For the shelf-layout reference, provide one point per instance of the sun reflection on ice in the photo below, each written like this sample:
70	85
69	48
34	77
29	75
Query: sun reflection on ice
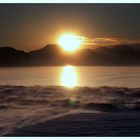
69	77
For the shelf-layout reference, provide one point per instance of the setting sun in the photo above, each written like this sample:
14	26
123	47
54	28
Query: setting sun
69	42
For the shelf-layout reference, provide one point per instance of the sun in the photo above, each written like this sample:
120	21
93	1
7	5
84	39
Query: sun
69	42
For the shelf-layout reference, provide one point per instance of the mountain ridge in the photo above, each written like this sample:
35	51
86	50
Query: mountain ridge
53	55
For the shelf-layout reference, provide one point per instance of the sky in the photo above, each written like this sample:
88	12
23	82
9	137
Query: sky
32	26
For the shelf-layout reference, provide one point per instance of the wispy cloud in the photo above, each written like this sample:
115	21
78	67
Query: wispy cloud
104	41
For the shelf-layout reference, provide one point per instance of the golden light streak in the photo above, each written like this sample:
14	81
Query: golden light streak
69	77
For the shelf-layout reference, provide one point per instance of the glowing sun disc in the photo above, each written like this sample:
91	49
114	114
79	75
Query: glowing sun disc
69	42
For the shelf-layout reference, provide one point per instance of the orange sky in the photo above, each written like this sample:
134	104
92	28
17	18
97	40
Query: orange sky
32	26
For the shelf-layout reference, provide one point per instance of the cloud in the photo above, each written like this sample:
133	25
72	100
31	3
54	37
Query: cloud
104	41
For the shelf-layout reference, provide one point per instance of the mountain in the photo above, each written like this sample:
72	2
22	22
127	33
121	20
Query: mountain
118	55
49	55
53	55
12	57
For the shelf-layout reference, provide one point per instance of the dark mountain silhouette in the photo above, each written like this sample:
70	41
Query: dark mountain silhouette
49	55
118	55
12	57
53	55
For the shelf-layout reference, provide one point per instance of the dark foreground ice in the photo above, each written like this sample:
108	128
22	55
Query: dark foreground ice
58	111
